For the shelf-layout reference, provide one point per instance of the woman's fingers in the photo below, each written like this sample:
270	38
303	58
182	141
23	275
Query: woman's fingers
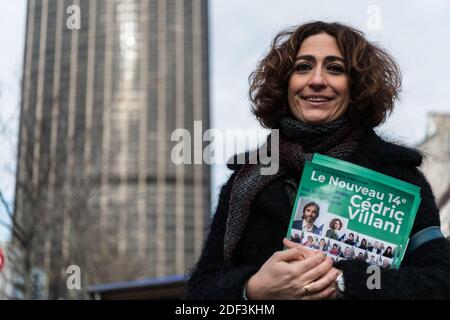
324	294
324	282
312	274
303	250
290	244
301	267
287	255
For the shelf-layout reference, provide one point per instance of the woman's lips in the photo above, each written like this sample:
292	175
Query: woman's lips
317	101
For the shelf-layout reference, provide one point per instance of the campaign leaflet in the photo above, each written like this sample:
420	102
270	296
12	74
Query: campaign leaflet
353	213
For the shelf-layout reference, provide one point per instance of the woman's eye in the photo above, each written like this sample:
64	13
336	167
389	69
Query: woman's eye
302	67
337	69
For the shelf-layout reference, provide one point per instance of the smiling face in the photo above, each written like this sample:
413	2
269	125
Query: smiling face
337	225
318	90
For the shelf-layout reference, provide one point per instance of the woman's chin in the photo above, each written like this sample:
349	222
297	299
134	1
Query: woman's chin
313	116
316	119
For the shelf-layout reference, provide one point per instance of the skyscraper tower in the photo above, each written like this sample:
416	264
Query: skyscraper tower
105	83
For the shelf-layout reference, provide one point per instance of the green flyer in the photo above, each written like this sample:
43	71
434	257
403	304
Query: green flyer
353	213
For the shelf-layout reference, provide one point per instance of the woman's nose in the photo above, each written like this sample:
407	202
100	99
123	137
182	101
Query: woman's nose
317	80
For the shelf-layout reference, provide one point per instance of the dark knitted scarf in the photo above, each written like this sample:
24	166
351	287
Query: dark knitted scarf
298	142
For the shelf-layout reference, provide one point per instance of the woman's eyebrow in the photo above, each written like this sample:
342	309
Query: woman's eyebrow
306	57
333	58
313	59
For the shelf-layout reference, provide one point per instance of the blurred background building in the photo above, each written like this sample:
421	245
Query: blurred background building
436	165
12	279
96	186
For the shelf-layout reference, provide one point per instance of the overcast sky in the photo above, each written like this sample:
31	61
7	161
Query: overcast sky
12	30
415	32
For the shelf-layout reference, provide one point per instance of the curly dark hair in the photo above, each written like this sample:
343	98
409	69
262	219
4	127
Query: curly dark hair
332	222
312	204
374	76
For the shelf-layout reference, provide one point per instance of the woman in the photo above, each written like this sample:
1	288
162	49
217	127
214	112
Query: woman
388	252
363	244
360	257
325	87
309	243
334	250
335	225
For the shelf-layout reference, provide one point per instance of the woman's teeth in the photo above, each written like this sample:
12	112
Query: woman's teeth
318	99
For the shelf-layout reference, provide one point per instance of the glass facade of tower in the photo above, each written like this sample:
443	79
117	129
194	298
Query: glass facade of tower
99	106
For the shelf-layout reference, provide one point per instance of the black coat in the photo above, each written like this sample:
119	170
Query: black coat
424	274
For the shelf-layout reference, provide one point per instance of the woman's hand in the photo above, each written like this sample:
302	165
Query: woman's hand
294	274
305	252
